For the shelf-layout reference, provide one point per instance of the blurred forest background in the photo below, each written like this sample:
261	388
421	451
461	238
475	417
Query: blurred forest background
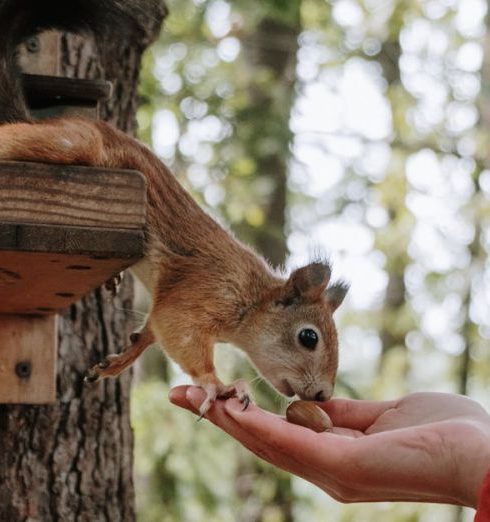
357	128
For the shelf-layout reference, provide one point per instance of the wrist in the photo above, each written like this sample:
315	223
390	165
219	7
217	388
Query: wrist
476	463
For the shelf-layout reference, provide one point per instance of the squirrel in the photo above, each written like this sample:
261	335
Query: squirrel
206	286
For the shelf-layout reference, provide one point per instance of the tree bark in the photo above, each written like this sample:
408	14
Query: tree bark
72	461
272	46
391	334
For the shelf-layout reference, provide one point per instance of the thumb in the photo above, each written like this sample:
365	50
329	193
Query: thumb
355	414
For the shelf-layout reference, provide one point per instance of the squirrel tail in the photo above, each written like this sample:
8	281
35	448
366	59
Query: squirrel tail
20	19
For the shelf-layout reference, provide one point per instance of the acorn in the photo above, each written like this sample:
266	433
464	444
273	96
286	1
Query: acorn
309	415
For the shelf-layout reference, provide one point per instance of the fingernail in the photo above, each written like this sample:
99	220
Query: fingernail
171	395
194	396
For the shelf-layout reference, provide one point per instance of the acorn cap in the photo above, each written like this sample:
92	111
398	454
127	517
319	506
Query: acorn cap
309	415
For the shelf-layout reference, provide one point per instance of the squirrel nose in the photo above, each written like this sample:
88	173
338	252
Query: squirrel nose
320	396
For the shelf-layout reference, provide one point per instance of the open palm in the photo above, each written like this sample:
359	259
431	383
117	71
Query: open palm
430	447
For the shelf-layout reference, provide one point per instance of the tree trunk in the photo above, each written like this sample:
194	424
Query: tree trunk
73	460
273	47
392	333
476	268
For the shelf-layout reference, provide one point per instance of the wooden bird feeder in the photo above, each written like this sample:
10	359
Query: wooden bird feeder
64	230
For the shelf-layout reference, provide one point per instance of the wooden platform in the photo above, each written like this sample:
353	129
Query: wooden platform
65	230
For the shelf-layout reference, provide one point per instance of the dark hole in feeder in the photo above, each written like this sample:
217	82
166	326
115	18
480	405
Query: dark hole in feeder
32	44
55	260
78	267
44	309
64	294
23	369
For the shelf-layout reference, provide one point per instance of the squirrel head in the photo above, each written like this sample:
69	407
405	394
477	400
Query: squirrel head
291	336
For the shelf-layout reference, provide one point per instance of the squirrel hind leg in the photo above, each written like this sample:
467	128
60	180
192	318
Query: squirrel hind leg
115	364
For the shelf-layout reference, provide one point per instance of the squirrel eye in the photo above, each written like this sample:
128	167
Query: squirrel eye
308	338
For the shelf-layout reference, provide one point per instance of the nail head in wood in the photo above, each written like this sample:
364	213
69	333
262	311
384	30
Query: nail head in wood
23	369
28	347
33	44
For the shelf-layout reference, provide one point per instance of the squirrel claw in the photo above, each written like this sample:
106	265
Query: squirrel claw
245	400
91	377
238	389
112	285
94	374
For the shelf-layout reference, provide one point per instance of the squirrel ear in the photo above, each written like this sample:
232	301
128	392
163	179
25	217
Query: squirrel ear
336	294
307	283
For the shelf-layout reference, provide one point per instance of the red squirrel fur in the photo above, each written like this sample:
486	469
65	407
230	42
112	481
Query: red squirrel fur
206	286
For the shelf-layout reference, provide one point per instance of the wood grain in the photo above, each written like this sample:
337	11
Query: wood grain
51	96
43	58
70	90
28	347
65	230
44	283
71	195
97	242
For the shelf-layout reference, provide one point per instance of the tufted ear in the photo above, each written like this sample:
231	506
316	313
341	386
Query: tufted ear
306	283
336	294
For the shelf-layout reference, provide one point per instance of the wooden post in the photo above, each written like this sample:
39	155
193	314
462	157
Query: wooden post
28	344
28	347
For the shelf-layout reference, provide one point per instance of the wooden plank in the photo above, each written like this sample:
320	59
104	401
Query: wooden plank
40	54
97	242
51	96
65	230
71	195
55	88
90	111
43	283
28	348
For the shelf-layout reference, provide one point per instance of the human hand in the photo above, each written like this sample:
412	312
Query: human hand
425	447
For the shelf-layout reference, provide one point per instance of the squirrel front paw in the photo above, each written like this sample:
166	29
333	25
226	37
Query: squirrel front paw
238	389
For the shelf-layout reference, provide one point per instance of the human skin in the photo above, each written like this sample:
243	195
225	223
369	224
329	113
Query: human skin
425	447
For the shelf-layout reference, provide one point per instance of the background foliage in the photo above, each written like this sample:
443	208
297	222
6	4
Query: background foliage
355	127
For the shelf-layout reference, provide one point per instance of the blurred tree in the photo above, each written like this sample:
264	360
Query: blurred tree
393	239
385	188
250	161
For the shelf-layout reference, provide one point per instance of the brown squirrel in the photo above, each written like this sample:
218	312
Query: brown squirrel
206	286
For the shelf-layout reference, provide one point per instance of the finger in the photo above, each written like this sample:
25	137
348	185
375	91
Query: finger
266	437
327	450
255	427
178	397
191	397
355	414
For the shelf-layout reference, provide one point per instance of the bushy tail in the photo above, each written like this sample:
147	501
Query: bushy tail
19	19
